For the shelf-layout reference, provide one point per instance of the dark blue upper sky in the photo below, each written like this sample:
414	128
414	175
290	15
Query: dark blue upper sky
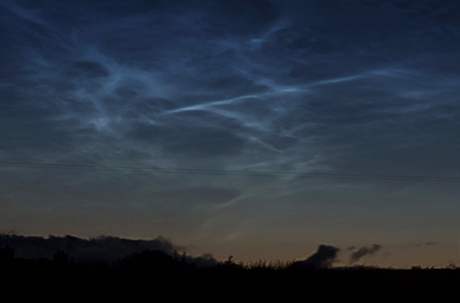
91	92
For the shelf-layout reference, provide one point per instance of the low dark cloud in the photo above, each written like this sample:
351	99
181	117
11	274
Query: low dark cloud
362	252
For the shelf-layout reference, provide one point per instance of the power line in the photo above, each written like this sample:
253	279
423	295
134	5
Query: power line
231	172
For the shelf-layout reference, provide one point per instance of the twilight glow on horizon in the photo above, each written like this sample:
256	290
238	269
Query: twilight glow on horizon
253	128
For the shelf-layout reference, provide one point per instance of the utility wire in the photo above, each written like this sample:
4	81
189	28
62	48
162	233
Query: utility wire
230	172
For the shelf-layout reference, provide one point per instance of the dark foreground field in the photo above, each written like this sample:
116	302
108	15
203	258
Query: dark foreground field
74	265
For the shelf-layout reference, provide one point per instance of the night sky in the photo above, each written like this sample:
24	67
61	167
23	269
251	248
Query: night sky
258	129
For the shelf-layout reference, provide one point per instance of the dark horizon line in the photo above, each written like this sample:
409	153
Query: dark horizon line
111	248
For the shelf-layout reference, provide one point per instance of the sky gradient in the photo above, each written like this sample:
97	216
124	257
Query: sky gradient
258	129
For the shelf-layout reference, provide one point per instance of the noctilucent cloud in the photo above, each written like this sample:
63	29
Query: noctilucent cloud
259	129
